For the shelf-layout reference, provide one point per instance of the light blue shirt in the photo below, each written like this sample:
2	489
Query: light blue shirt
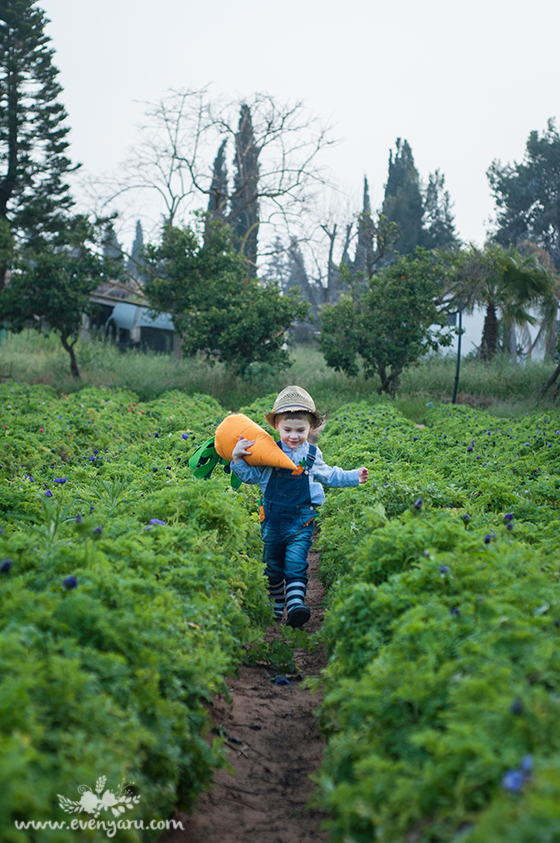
320	475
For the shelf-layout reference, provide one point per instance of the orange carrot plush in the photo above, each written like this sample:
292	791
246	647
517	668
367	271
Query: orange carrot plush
265	451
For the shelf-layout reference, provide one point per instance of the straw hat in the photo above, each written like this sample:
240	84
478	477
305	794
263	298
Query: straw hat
294	399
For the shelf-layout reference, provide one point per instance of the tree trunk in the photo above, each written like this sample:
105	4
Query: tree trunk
489	342
389	383
550	342
547	384
177	346
69	347
512	343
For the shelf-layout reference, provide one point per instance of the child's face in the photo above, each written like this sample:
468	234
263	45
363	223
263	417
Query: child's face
293	432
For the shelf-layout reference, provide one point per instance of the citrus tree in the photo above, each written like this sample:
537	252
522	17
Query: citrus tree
217	306
388	322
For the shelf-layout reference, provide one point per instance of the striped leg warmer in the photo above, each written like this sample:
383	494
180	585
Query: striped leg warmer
295	594
276	592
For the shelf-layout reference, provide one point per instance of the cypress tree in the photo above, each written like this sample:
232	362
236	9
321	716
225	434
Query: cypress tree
34	194
403	200
244	215
438	221
364	255
135	263
218	198
112	249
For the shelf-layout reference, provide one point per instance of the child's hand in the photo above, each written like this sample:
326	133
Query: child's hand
363	475
240	449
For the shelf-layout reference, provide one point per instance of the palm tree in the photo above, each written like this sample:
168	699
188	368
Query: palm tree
508	283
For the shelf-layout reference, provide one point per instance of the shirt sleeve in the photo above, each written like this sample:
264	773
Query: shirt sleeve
247	473
333	476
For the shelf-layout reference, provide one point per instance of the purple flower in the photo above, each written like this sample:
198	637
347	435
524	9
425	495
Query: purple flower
95	451
91	459
154	469
509	526
513	781
5	566
508	517
455	611
444	570
156	435
91	509
78	519
526	764
516	707
419	504
281	680
466	517
469	448
98	531
60	480
28	477
70	582
414	439
157	521
185	435
488	539
48	494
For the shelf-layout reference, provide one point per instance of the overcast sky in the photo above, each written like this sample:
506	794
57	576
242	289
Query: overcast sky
464	83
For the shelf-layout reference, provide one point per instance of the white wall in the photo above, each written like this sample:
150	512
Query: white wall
473	323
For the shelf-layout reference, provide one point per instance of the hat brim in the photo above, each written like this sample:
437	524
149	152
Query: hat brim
295	408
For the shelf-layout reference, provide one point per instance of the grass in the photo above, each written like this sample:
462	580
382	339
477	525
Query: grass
502	387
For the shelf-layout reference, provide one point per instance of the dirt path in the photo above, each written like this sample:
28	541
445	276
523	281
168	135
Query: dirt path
274	745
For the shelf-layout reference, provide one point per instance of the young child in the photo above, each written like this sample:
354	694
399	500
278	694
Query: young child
290	501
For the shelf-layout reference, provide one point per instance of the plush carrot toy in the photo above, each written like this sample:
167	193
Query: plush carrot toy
265	451
218	451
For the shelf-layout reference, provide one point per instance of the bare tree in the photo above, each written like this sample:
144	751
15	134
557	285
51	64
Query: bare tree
171	164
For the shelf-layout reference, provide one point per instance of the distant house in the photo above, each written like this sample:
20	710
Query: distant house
129	324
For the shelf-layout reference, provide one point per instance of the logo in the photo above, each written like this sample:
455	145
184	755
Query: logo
101	800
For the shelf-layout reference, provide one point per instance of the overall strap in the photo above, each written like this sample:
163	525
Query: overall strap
311	456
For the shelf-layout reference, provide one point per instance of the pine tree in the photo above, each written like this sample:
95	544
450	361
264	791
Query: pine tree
527	194
34	194
364	260
244	216
403	200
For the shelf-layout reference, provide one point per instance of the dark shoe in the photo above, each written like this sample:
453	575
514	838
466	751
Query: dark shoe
298	617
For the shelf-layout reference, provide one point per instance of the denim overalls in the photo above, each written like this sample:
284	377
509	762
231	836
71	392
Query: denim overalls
287	532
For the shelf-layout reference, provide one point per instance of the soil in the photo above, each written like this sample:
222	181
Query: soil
274	746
